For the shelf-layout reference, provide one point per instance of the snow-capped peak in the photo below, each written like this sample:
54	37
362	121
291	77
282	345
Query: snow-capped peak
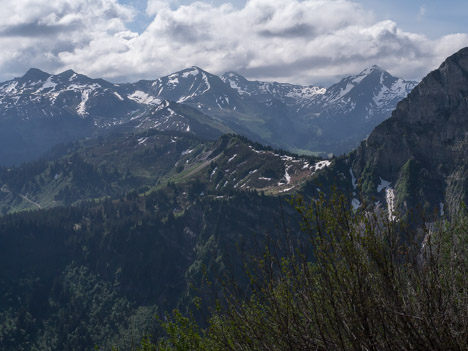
372	92
344	87
183	85
366	72
38	94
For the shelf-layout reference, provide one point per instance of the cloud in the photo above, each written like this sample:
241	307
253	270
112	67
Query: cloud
155	6
35	33
308	41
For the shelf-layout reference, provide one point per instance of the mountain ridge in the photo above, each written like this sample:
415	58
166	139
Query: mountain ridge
40	109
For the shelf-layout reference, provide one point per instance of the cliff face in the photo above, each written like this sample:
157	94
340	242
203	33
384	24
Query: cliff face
422	150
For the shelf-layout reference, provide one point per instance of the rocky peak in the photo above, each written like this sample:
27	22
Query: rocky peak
67	74
422	149
441	90
34	75
374	80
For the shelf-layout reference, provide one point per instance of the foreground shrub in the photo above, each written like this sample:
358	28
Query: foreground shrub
361	282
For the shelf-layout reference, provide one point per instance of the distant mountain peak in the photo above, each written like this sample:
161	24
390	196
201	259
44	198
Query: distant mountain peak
187	72
71	75
34	70
369	71
68	72
376	68
196	68
192	71
34	74
375	80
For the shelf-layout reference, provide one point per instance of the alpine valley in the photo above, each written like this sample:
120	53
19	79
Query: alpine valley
130	200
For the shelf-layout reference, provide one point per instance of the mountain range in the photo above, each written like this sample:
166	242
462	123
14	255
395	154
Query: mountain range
40	110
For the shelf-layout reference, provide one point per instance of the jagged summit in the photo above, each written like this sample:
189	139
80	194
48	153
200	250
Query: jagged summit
376	90
34	75
373	68
68	74
197	87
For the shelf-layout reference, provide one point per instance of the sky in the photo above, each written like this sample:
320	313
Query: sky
311	42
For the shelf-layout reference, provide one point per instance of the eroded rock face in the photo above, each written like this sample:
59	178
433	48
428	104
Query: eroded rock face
423	148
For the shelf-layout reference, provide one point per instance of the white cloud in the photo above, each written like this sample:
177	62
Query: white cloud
305	41
155	6
36	33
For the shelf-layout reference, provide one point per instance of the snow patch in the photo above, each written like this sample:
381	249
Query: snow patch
236	87
287	189
48	84
344	91
390	198
355	203
118	96
322	164
186	152
232	158
379	99
208	86
264	178
173	79
305	93
213	173
81	109
141	141
256	151
286	175
10	88
192	72
185	98
143	98
384	184
400	88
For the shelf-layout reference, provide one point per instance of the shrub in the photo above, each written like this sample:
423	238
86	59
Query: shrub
359	282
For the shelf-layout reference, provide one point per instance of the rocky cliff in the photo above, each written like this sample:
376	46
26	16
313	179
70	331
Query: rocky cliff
420	154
